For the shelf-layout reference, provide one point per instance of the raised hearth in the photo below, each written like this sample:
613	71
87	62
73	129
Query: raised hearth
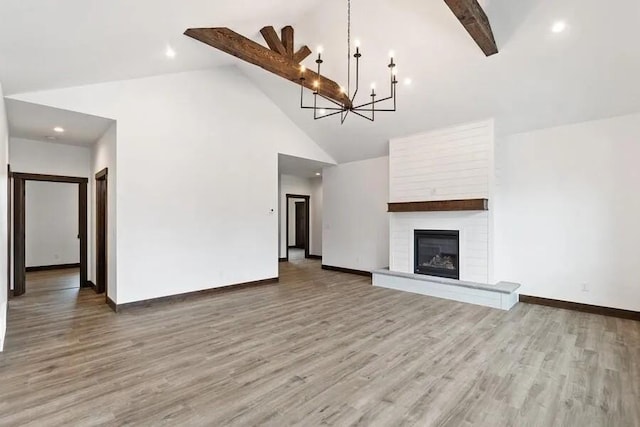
502	295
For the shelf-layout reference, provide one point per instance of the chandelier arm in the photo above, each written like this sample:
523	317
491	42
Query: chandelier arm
395	87
322	108
332	101
311	108
327	115
343	118
315	104
361	115
373	107
378	110
368	104
357	76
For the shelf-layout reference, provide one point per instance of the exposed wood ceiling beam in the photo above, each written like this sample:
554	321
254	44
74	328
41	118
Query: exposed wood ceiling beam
287	39
243	48
271	37
301	54
475	20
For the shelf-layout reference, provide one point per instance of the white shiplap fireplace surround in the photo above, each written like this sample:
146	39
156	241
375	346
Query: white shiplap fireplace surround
451	164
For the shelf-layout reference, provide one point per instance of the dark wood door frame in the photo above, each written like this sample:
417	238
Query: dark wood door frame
19	224
101	232
307	199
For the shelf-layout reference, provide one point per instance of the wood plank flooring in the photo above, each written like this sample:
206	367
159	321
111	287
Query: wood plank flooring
52	280
320	348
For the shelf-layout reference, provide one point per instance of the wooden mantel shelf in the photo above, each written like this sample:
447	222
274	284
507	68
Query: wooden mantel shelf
441	206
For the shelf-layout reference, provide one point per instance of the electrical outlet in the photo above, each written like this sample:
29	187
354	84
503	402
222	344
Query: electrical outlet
585	287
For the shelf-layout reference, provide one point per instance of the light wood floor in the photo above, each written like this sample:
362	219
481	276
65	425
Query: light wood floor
320	348
53	280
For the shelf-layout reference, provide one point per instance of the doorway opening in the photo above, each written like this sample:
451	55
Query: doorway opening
49	268
297	226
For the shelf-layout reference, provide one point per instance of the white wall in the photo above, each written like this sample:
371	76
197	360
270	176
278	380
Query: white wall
48	158
4	158
103	155
356	222
315	247
197	184
51	224
567	209
290	184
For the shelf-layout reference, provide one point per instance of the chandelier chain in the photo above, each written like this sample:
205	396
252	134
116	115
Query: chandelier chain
349	48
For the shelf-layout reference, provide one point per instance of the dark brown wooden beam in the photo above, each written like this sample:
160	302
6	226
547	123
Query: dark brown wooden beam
301	54
287	40
475	20
254	53
441	206
271	37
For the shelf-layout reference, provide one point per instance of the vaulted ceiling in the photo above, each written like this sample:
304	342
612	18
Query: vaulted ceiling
539	78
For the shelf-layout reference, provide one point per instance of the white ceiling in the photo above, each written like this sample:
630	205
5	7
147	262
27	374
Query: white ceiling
36	122
296	166
538	79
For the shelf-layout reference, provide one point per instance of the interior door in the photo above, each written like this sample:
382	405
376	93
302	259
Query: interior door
19	226
301	225
101	233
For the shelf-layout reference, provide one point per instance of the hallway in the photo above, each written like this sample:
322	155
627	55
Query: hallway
53	280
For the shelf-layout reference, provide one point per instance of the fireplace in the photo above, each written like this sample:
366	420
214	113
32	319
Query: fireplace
437	253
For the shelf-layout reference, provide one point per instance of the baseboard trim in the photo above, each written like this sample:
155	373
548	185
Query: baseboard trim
347	270
314	256
585	308
90	284
112	305
283	260
195	294
52	267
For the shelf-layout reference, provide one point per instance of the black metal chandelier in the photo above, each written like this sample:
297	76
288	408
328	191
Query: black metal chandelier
366	110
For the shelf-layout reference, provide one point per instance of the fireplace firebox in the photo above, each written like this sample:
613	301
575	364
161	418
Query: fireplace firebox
437	253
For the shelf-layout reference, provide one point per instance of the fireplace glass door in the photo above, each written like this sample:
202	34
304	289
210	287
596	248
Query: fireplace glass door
437	253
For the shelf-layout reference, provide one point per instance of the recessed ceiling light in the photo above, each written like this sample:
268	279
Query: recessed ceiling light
559	26
170	52
318	174
407	81
58	129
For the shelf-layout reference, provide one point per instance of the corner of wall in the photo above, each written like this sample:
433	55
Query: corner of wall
4	156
